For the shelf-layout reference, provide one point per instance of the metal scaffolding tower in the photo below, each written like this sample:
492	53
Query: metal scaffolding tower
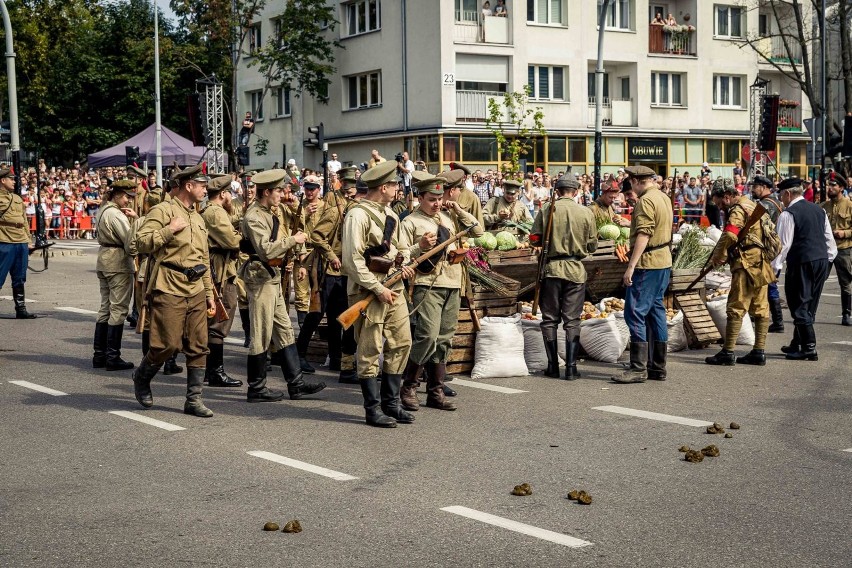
213	121
757	161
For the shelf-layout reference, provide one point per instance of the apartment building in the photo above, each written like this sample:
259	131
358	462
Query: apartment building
417	76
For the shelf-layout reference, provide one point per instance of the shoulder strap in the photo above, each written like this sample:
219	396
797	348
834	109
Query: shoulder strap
372	215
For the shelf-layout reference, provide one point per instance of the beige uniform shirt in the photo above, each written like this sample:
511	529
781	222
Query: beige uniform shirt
360	232
14	227
186	249
839	213
309	221
468	201
518	212
327	235
750	258
604	213
223	242
653	216
416	225
257	228
116	237
573	237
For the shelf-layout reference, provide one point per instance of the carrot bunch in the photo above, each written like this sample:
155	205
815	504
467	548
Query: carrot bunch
622	251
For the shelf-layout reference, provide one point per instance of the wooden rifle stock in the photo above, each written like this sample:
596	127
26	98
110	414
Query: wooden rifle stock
221	310
351	315
542	259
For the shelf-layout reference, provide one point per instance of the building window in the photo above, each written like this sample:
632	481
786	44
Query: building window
364	91
763	25
547	83
362	16
728	91
729	22
254	39
592	83
547	12
256	105
618	15
667	89
282	102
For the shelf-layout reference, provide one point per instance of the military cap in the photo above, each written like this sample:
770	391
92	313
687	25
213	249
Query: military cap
218	183
458	166
125	185
311	183
138	172
511	186
568	182
420	175
639	171
762	180
721	186
361	187
347	175
269	179
154	197
194	173
6	171
452	178
833	177
431	184
380	174
790	183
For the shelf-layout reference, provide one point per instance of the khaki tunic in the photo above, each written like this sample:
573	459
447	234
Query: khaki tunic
115	265
469	202
139	200
518	213
839	213
303	286
604	213
327	235
573	237
15	228
224	243
653	216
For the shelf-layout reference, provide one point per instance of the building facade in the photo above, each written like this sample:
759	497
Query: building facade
417	76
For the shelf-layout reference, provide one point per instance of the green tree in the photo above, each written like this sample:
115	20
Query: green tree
515	125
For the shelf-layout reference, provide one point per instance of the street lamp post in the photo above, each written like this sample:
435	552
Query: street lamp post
15	145
599	81
158	125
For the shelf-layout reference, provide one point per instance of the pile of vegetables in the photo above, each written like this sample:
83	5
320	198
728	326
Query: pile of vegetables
590	311
506	241
691	254
487	241
476	261
621	237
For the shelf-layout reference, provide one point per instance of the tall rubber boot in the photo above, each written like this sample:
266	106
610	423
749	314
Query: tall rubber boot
171	367
296	385
372	406
390	388
637	371
100	345
551	348
256	378
410	381
193	405
214	374
777	313
244	318
435	397
572	351
19	296
807	349
657	366
846	306
114	362
142	382
348	373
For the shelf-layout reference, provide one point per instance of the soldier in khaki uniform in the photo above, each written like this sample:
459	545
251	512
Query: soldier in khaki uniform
115	269
436	293
573	236
839	211
224	247
14	241
467	199
309	274
138	176
384	328
507	207
240	205
603	210
142	275
750	276
267	233
180	289
327	241
647	278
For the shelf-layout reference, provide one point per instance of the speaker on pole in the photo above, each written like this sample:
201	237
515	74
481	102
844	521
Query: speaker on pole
768	122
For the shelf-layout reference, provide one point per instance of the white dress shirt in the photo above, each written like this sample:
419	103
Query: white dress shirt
785	229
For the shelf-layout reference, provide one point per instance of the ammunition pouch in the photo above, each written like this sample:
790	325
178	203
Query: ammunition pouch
192	274
428	266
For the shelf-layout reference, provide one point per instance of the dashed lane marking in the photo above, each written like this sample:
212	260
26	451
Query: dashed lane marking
39	388
484	386
302	465
10	298
849	450
233	341
832	295
515	526
653	416
76	310
841	342
146	420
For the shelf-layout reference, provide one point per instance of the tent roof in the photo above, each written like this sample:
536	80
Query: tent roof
174	148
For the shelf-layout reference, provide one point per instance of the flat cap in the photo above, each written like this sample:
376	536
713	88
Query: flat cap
834	177
568	182
458	166
790	183
432	184
511	186
6	171
347	175
762	180
138	172
452	178
639	171
380	174
125	185
154	197
195	173
269	179
218	182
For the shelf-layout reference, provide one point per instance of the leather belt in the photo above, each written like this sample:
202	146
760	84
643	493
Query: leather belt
563	257
10	224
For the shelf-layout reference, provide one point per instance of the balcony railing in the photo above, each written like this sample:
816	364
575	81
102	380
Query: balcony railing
616	112
671	40
472	106
789	116
779	52
472	27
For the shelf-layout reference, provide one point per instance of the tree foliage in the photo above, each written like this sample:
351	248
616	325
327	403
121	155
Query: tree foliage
515	125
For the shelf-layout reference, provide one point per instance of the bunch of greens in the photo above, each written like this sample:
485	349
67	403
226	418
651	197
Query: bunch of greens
691	254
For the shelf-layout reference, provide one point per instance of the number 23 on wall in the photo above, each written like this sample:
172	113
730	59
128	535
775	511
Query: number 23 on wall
449	79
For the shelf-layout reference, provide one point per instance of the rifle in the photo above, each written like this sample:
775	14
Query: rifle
221	310
146	298
356	310
755	217
316	280
545	248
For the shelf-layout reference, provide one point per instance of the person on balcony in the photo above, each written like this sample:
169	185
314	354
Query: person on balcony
670	20
500	9
486	9
658	20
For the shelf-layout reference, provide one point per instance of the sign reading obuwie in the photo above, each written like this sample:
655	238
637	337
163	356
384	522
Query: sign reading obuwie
647	150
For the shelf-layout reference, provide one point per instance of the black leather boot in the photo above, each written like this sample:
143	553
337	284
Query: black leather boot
572	351
657	367
807	349
794	343
19	296
114	362
193	405
307	326
637	371
448	391
214	374
171	367
390	399
551	348
777	313
100	345
411	380
142	382
723	357
372	406
754	357
146	341
244	318
256	378
296	385
846	306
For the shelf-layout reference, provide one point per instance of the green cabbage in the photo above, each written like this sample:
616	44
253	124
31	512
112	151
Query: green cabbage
625	233
487	241
506	241
609	232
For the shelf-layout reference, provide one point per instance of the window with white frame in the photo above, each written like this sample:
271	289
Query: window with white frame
254	38
552	12
362	16
728	91
364	90
667	89
547	83
729	21
618	15
256	105
282	102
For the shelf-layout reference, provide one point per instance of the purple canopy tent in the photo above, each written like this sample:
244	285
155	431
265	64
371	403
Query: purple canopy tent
175	148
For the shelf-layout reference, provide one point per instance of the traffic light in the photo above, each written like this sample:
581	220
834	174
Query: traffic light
768	122
5	132
131	156
242	155
318	141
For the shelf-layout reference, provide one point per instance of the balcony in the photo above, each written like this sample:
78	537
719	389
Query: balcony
789	116
472	106
672	40
616	112
472	27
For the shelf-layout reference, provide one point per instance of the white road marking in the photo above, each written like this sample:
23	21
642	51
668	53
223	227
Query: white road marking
39	388
832	295
146	420
76	310
653	416
484	386
522	528
302	465
849	450
841	342
10	298
234	341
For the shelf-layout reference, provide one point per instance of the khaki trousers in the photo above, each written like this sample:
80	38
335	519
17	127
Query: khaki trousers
179	324
382	330
746	299
269	316
302	291
116	294
435	323
218	331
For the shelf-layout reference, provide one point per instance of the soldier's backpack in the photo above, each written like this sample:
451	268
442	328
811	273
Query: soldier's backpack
770	240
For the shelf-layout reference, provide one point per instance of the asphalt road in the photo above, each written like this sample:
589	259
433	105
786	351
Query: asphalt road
84	487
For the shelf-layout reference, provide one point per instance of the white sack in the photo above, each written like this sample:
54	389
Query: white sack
717	308
601	339
499	349
677	333
534	352
619	321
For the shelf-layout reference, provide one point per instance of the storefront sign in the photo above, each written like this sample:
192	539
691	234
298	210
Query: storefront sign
647	150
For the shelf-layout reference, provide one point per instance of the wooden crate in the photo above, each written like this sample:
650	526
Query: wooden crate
520	265
682	278
605	275
700	329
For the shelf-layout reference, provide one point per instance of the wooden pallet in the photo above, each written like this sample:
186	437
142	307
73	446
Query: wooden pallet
520	265
700	329
682	278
